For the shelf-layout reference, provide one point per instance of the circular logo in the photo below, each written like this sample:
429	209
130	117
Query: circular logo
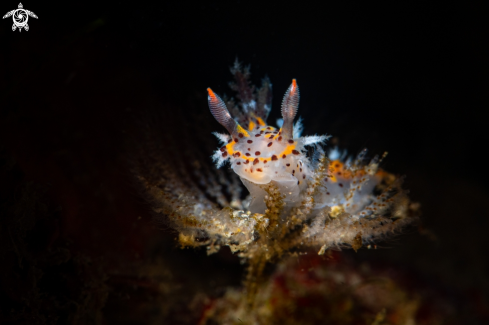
20	17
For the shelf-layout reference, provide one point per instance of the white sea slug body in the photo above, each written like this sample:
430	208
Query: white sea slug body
261	154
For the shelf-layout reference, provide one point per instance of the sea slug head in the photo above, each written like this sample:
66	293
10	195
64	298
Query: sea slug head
261	154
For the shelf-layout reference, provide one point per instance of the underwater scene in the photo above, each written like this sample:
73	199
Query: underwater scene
238	163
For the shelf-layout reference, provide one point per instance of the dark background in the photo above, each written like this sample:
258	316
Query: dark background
406	78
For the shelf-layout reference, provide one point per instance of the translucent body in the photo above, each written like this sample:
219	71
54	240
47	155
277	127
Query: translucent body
262	154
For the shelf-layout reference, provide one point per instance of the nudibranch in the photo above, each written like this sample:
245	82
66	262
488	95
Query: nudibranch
261	154
301	195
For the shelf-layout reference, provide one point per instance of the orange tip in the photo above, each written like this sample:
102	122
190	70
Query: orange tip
210	92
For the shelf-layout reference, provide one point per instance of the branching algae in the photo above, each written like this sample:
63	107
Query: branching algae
297	201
